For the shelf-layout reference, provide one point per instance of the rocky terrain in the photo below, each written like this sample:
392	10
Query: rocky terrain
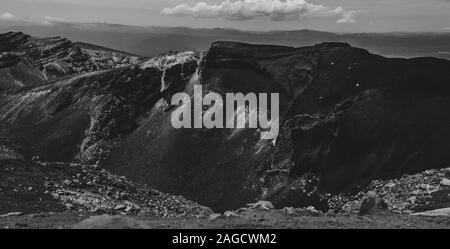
42	187
30	61
360	134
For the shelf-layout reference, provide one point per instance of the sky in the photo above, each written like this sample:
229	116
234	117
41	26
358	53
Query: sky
327	15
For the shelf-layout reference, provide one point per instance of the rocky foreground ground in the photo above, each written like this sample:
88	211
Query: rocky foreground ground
62	195
30	187
277	219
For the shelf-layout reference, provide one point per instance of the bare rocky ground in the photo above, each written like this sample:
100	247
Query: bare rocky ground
62	195
275	219
51	194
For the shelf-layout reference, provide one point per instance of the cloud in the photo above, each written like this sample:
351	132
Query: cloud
49	20
54	19
8	17
347	17
274	10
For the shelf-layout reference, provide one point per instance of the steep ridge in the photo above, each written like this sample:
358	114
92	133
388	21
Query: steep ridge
30	61
79	117
346	116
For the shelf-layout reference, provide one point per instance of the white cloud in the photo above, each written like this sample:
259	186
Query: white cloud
54	19
274	10
8	17
348	17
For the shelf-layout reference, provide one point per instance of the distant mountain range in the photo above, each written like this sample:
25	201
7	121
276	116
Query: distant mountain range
151	41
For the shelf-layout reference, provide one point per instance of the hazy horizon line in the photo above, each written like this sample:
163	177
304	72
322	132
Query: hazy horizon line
31	23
